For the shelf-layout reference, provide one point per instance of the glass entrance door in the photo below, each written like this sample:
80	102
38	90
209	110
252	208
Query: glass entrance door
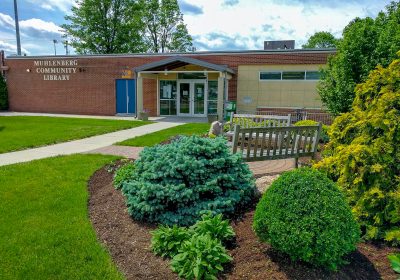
192	98
199	98
184	99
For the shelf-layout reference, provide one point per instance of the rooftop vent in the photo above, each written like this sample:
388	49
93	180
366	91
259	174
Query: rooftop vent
279	45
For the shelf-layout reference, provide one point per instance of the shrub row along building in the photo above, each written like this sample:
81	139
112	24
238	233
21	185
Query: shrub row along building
182	84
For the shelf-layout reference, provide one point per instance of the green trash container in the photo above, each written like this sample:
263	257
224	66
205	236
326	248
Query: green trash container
230	108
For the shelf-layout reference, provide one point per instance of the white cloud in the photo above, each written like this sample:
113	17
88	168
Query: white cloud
40	25
47	7
36	35
11	49
243	25
6	21
61	5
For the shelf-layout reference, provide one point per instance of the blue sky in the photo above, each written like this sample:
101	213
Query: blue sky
214	24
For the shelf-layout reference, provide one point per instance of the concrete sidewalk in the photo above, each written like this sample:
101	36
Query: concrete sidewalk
83	145
176	119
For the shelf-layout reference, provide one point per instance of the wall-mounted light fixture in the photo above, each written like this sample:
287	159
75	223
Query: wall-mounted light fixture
28	70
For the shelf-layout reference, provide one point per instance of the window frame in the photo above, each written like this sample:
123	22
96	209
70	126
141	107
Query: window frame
287	80
167	99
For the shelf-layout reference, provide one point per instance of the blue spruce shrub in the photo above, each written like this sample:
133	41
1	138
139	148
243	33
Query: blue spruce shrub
178	182
304	215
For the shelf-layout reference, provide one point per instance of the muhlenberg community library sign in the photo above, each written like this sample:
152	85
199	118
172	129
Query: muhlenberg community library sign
173	84
56	70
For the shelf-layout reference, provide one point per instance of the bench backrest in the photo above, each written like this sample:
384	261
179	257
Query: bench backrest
265	143
252	120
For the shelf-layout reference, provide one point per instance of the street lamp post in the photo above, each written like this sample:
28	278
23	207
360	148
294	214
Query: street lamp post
17	28
55	49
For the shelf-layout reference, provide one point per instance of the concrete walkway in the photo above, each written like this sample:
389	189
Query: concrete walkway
175	119
83	145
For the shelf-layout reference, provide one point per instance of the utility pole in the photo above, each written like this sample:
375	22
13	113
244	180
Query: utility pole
55	49
65	42
17	28
66	47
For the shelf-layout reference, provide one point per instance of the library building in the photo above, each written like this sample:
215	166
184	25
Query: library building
278	78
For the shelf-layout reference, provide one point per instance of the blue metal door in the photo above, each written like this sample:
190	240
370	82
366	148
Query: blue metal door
126	97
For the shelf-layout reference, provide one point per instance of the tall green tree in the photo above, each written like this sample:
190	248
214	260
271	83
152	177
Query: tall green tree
3	94
106	26
165	30
322	39
366	43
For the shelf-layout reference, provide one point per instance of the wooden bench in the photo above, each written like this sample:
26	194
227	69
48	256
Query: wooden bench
253	120
267	143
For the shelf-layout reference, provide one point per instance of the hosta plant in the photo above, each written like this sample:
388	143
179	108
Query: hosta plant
197	251
215	226
123	173
166	241
178	182
201	257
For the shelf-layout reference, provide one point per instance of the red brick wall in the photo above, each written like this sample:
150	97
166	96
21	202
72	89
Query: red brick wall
92	89
150	96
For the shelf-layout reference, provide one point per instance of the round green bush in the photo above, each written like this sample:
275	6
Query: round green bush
178	182
304	215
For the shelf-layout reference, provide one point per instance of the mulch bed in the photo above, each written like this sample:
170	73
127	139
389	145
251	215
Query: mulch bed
129	245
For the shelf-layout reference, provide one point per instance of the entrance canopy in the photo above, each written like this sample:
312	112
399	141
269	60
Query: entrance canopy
181	61
186	86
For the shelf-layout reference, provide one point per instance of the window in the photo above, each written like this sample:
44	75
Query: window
270	75
212	97
313	75
298	75
168	97
290	75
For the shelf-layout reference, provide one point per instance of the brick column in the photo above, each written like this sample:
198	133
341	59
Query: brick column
139	94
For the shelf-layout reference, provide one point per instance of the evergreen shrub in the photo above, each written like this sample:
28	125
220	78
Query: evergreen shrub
324	137
304	215
3	94
363	155
178	182
248	122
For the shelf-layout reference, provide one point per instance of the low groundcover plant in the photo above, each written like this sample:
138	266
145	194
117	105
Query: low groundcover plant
197	252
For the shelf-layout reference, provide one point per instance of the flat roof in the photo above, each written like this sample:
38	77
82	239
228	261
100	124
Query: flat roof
283	51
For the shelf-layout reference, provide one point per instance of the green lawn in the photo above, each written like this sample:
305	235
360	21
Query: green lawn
44	227
21	132
162	135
